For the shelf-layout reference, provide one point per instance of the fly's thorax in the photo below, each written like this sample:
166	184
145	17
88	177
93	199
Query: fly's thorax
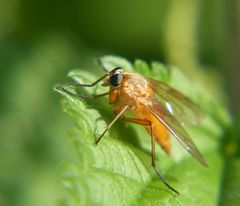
135	86
133	91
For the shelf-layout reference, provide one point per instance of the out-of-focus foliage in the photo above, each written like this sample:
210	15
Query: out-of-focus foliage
230	186
40	41
121	164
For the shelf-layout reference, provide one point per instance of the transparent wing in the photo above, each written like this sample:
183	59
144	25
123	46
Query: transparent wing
183	109
166	118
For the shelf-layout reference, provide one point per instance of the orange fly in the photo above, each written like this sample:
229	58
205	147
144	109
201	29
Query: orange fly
154	105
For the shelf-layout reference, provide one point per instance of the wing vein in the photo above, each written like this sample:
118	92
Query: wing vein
165	117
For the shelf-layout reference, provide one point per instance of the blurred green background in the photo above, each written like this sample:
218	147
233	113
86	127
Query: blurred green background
40	41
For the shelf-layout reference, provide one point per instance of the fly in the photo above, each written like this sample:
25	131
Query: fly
155	105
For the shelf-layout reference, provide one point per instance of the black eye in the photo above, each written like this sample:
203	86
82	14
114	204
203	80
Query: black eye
116	79
116	76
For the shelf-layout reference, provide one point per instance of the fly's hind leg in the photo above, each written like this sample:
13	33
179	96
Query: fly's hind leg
155	165
147	123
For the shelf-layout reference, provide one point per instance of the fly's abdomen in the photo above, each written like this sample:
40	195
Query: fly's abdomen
162	134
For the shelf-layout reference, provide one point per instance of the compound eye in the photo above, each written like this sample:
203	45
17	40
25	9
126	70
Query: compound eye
116	76
116	79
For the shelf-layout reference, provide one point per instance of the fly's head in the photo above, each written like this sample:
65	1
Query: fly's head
115	77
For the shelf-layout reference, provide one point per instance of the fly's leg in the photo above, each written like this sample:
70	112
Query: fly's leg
149	124
62	85
142	122
85	85
155	165
84	96
120	113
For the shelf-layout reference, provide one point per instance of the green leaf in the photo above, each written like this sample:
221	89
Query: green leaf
118	170
231	179
110	62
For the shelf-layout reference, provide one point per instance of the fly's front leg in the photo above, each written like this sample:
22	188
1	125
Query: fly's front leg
62	86
84	96
85	85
